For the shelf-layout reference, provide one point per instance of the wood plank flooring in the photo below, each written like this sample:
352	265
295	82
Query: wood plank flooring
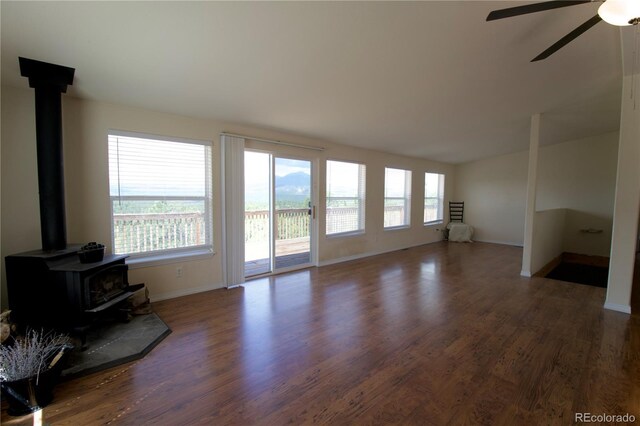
446	333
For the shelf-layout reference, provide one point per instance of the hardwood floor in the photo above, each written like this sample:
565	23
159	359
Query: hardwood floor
446	333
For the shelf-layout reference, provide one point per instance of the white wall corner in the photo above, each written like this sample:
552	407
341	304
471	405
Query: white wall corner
501	242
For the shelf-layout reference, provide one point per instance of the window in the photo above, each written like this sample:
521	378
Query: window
397	197
433	198
160	193
345	197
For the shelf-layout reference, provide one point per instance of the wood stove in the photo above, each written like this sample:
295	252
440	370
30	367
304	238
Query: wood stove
54	289
51	287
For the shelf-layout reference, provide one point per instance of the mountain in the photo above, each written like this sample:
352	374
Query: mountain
297	180
294	187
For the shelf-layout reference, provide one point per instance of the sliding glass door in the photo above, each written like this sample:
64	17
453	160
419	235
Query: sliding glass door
293	212
278	213
257	213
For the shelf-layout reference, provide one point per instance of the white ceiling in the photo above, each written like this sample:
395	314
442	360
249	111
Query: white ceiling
424	79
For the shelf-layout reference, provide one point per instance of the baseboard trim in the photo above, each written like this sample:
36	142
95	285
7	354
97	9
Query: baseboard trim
231	287
504	243
184	292
369	254
625	309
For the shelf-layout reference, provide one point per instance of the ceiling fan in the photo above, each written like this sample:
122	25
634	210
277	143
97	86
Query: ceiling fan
614	12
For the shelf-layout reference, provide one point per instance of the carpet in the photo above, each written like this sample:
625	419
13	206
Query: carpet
581	274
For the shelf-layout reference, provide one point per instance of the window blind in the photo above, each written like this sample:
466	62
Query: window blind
161	194
345	198
397	197
433	198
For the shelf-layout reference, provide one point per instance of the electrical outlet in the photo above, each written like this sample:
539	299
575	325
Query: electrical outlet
179	272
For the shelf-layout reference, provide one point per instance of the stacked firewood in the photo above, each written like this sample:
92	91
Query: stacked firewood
139	303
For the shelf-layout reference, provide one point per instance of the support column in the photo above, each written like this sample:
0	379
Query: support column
532	183
627	198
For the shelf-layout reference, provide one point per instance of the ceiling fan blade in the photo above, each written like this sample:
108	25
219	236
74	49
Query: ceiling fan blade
532	8
568	38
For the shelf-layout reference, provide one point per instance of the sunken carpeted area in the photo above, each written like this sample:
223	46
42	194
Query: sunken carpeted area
581	274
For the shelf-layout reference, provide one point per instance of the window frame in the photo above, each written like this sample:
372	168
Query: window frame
406	199
440	198
154	257
361	199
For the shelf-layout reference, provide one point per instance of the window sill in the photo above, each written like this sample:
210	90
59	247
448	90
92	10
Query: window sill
168	258
435	222
344	234
397	228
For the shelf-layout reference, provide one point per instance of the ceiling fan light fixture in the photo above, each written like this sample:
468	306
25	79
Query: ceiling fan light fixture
620	12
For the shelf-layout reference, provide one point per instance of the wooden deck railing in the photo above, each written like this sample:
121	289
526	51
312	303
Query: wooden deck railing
134	233
291	223
146	232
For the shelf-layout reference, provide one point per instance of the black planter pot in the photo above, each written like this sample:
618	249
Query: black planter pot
27	395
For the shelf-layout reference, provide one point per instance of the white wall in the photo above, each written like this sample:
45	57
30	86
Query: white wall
577	175
580	176
588	234
548	237
86	125
494	192
20	211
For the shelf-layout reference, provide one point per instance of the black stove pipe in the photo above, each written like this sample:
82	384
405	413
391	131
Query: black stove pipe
49	82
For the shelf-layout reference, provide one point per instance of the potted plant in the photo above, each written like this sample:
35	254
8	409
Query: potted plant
29	369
